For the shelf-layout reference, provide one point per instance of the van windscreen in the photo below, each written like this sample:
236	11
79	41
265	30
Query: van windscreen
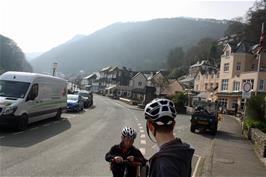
13	89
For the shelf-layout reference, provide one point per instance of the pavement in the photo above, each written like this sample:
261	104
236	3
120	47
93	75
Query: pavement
232	154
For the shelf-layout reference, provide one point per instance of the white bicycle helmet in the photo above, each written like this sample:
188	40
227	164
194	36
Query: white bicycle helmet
161	111
129	132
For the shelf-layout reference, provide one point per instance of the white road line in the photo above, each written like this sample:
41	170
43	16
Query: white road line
34	128
141	131
139	124
196	167
142	136
1	137
143	142
18	133
143	151
140	127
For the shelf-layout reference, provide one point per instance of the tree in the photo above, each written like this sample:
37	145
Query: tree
11	56
175	57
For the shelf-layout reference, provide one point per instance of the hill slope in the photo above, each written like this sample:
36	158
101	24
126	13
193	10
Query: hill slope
137	45
11	57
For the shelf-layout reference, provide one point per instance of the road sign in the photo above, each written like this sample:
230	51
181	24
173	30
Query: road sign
247	86
246	95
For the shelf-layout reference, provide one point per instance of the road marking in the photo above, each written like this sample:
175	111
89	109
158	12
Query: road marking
18	133
143	151
141	131
196	167
139	124
140	127
143	142
1	137
142	136
34	128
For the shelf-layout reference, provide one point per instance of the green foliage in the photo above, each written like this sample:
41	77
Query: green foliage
256	107
177	72
180	100
175	58
254	123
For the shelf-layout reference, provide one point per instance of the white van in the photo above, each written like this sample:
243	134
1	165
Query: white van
30	97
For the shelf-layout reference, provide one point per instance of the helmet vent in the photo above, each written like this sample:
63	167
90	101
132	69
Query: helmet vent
165	108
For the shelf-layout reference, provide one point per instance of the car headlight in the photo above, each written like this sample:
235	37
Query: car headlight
9	110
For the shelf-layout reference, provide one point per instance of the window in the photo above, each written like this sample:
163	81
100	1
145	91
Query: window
261	85
249	80
252	66
223	102
197	87
206	86
139	83
224	84
227	53
211	85
226	67
236	86
234	103
238	66
212	76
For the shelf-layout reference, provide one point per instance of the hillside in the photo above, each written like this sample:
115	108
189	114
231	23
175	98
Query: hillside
11	57
136	45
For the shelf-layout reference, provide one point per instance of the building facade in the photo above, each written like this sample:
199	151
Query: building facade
238	66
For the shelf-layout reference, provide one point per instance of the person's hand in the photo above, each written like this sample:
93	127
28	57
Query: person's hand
118	159
130	158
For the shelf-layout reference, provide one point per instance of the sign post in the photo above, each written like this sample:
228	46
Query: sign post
246	94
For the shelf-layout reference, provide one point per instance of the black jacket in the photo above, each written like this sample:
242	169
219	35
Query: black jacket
173	160
117	150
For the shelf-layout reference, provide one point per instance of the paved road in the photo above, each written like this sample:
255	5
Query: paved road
76	145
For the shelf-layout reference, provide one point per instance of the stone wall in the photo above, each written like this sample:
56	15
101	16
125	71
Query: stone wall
258	138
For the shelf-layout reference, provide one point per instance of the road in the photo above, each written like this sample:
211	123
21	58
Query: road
76	144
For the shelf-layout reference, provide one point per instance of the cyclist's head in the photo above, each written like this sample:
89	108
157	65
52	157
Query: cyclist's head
128	136
161	114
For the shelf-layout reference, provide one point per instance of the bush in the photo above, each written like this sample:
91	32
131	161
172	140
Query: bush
179	100
256	107
255	123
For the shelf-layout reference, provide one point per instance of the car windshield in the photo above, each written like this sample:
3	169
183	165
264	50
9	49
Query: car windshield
13	89
84	94
72	97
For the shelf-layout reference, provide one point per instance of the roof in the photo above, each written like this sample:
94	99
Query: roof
173	87
113	69
241	47
203	62
106	69
139	73
91	76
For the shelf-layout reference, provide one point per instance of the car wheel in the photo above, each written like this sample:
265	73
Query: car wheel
22	123
58	114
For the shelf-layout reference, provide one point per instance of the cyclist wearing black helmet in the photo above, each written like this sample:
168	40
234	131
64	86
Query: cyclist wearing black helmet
174	157
125	152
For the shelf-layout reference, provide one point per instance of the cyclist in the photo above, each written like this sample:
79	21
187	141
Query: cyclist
174	157
125	152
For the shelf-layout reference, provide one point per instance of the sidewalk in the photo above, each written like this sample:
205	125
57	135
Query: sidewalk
233	155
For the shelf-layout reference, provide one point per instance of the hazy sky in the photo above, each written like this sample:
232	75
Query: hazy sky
39	25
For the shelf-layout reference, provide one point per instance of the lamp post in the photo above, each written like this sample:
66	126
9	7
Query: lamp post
54	67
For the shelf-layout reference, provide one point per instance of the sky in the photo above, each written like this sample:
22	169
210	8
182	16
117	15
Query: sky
39	25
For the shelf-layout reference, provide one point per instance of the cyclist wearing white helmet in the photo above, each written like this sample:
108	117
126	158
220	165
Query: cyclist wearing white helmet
174	157
125	152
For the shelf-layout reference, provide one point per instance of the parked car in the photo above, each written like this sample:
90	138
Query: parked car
86	96
74	103
205	117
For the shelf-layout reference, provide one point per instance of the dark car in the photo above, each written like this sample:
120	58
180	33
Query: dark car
86	96
204	119
74	103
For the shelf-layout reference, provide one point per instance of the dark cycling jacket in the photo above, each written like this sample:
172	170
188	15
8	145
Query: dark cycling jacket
117	150
173	160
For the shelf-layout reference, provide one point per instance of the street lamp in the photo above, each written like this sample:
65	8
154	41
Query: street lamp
54	67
